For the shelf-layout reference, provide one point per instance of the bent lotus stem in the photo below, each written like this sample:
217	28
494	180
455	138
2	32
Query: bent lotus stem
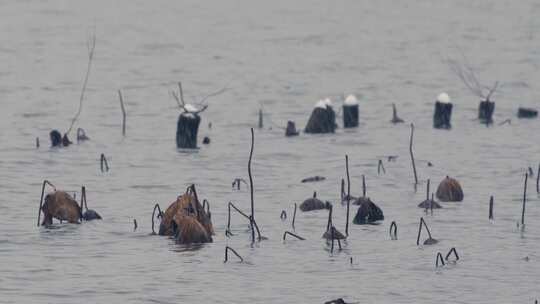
206	206
348	194
104	165
380	166
292	234
191	189
160	215
453	250
227	249
393	230
45	182
439	259
420	230
294	215
83	198
253	224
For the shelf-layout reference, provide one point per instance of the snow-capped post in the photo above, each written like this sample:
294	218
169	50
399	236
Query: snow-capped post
443	112
188	121
350	112
322	119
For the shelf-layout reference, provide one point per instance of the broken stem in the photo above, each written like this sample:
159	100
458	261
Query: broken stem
123	113
412	156
348	194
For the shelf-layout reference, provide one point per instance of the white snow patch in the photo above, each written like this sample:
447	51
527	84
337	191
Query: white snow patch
327	102
351	100
188	115
320	104
190	108
443	98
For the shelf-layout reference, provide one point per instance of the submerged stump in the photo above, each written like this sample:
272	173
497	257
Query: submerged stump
527	113
485	111
291	129
322	119
187	129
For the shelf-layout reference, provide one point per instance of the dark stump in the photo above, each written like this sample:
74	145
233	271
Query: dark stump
442	115
350	116
186	131
527	113
291	129
322	120
485	111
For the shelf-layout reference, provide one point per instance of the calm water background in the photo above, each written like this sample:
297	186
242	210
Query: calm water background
282	56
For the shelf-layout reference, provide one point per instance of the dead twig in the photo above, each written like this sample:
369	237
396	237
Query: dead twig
90	45
466	74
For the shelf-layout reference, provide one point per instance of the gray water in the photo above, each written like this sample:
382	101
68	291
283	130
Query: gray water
281	56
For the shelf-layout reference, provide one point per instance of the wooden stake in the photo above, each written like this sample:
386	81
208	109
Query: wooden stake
393	230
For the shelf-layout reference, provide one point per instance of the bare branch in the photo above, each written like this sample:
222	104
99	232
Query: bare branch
492	90
465	73
90	45
181	93
175	96
216	93
201	110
